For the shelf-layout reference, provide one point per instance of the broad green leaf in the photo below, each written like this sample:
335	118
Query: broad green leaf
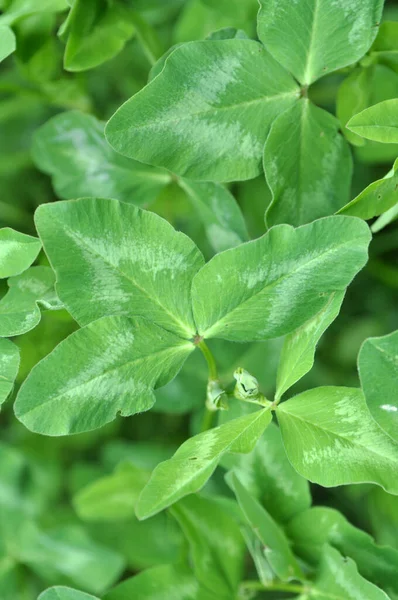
331	439
272	285
64	593
195	461
378	371
168	582
338	579
112	258
96	31
9	365
108	368
385	219
206	115
278	552
269	477
310	530
17	252
7	42
19	308
71	147
112	497
219	212
216	544
377	198
312	38
307	165
353	96
17	9
298	351
378	122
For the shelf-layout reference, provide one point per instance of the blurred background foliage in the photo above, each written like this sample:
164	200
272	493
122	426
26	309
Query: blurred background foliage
44	539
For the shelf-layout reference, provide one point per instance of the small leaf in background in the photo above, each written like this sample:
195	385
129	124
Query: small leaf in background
195	461
107	368
168	582
64	593
307	164
71	147
385	219
378	371
331	439
7	42
256	550
338	578
272	285
298	351
207	113
17	252
9	365
17	9
95	31
112	497
327	35
385	46
219	212
19	310
112	258
277	549
353	96
312	529
378	122
269	477
216	543
377	198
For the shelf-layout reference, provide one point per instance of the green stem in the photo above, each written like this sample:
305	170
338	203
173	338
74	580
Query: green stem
273	587
207	421
211	363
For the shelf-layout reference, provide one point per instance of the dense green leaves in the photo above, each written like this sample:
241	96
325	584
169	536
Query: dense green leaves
298	350
17	9
271	286
378	370
378	123
64	593
311	38
107	368
307	164
19	308
111	258
195	461
71	147
7	42
17	251
278	551
206	115
9	365
331	439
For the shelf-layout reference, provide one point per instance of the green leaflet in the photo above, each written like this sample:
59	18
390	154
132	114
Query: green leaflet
71	147
377	198
17	9
331	439
269	477
206	115
272	285
95	31
7	42
19	310
9	366
312	38
216	543
385	219
307	164
378	122
219	212
17	251
378	370
168	582
310	530
338	579
64	593
385	46
353	96
278	553
107	368
195	461
112	258
112	497
299	347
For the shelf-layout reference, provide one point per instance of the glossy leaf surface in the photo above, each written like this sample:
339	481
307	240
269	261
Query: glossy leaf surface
378	123
17	252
